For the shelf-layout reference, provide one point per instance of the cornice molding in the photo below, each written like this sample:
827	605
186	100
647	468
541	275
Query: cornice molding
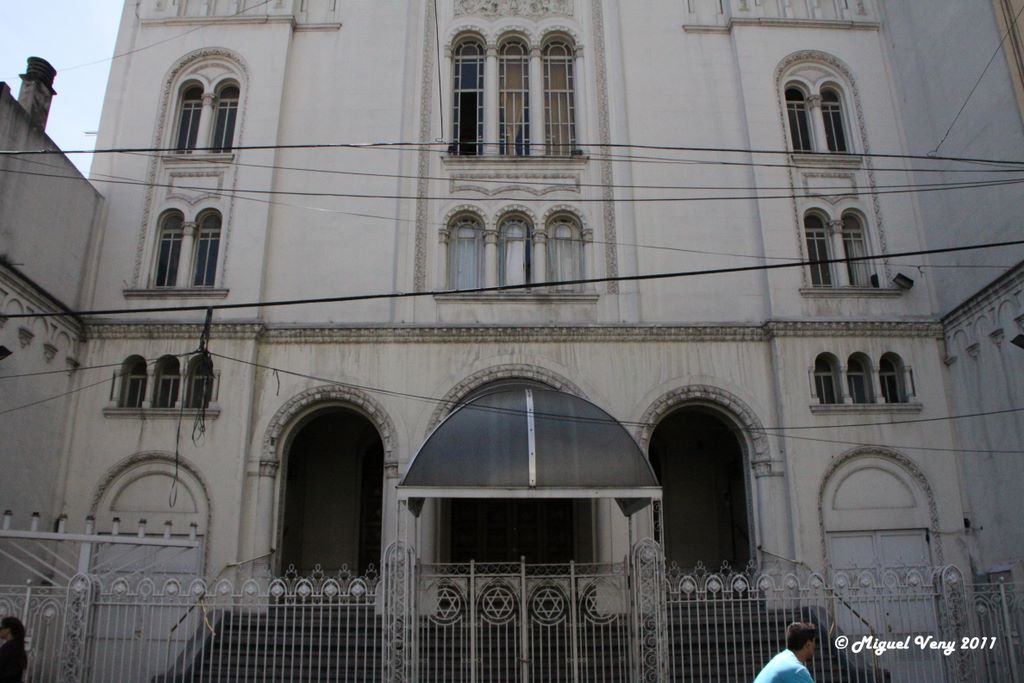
1003	287
293	334
769	22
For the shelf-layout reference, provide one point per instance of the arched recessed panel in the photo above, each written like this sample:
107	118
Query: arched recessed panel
873	488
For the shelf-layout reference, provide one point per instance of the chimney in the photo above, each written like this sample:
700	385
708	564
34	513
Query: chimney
37	90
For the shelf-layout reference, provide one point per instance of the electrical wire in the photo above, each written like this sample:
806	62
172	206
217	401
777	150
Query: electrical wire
506	288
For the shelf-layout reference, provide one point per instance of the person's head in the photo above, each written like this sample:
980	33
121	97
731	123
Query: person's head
802	639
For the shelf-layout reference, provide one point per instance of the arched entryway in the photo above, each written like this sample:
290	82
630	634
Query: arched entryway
334	472
698	460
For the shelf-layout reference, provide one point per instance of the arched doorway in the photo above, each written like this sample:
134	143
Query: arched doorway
333	494
698	460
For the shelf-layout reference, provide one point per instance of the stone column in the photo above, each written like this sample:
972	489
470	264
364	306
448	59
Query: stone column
203	136
538	132
263	533
588	268
580	84
820	143
183	278
491	101
540	254
442	258
490	258
841	271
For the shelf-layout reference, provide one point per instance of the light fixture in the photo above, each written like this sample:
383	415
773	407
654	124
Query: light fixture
902	281
4	351
1018	341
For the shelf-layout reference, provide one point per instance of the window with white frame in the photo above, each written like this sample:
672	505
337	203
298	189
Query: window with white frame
166	381
890	378
133	382
858	379
206	249
190	111
817	239
226	116
855	246
832	117
465	269
799	126
468	97
559	98
514	251
826	378
564	251
514	98
199	382
168	249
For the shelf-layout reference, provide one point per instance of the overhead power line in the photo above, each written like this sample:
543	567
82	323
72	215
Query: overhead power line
506	288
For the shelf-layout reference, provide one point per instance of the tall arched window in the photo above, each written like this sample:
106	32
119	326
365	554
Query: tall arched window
565	251
133	382
559	98
799	127
188	118
468	97
855	246
832	115
206	249
167	378
826	378
817	250
168	250
514	99
467	253
858	379
514	247
890	378
199	382
224	123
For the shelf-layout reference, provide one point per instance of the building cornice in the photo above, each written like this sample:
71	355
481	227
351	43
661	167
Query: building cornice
536	334
34	298
984	299
770	22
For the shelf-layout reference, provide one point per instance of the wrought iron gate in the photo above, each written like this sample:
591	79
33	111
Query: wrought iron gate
519	622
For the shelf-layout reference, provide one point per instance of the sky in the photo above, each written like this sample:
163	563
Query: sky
69	34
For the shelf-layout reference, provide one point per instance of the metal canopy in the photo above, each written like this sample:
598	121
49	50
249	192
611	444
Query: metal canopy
530	443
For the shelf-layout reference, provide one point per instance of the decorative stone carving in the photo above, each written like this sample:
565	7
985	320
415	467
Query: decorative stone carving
537	184
327	395
611	262
49	351
532	9
25	336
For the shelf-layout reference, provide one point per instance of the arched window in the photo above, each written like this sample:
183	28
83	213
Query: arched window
817	250
826	378
166	377
206	249
468	97
514	247
133	382
199	382
514	99
832	115
890	379
855	246
858	379
799	127
168	250
224	123
559	98
565	252
467	254
188	118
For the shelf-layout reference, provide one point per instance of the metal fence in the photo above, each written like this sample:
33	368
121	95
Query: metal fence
632	621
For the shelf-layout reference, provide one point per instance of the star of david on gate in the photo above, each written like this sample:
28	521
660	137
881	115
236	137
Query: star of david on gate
449	604
498	604
548	605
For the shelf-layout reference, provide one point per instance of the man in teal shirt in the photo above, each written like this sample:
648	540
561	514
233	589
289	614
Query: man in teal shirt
789	665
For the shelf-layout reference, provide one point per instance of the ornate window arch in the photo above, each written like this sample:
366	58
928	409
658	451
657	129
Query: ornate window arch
565	249
816	91
468	55
134	377
858	379
199	382
227	96
166	382
834	118
168	258
891	373
558	56
466	258
207	249
826	379
855	245
816	236
190	108
514	120
515	250
797	116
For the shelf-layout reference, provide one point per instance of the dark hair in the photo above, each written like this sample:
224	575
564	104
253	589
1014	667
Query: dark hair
17	629
799	633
